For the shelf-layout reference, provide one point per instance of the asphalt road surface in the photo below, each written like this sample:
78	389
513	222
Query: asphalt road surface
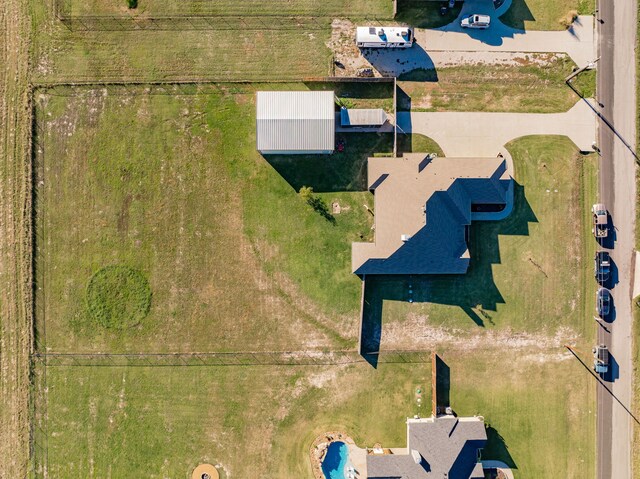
617	132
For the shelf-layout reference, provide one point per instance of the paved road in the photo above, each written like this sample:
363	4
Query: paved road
616	93
464	134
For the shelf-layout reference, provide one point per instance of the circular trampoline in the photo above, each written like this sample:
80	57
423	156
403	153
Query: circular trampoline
205	471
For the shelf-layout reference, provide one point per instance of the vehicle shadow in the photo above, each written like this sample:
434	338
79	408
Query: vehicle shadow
611	317
609	241
394	62
613	275
474	292
613	371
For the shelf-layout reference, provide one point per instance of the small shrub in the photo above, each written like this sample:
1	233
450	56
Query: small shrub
569	18
132	3
317	203
118	297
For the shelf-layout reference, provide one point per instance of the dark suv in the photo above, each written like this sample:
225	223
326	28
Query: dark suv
602	267
603	302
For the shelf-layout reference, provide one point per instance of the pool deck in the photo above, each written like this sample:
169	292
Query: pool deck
357	458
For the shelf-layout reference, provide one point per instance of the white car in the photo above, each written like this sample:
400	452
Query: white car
476	21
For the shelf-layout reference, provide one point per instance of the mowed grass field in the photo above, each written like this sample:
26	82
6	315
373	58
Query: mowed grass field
534	85
342	8
529	273
260	421
172	187
545	14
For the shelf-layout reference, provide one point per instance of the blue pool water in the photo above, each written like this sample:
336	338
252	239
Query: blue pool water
335	460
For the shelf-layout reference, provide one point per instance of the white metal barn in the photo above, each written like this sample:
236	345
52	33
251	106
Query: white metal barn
384	37
295	122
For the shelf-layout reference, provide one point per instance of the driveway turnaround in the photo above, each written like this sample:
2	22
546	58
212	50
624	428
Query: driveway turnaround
577	41
464	134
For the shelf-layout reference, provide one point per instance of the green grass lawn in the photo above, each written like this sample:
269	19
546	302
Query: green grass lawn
528	87
342	8
528	273
359	95
260	421
172	186
417	143
545	14
425	14
180	55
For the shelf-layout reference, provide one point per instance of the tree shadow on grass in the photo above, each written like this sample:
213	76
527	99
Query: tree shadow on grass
340	171
517	14
497	449
423	14
474	292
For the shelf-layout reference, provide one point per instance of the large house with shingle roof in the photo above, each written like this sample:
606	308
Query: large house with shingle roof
444	447
423	208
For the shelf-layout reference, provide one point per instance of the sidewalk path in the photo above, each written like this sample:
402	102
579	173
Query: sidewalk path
463	134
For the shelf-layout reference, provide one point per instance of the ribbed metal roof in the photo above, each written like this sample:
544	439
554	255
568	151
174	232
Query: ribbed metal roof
362	116
295	121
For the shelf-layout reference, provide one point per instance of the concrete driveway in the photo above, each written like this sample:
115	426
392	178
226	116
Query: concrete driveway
462	134
451	43
577	41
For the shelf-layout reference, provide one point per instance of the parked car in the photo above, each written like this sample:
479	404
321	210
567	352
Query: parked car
601	359
602	267
603	302
600	221
476	21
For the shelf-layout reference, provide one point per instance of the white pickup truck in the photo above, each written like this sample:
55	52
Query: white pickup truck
600	221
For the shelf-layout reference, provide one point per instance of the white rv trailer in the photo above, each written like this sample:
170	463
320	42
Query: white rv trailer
384	37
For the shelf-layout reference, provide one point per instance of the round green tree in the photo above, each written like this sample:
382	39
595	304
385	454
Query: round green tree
118	297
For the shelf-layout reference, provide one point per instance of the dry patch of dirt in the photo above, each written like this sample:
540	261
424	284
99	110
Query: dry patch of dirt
417	333
343	45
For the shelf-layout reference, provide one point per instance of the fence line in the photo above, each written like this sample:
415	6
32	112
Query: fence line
199	21
244	358
195	22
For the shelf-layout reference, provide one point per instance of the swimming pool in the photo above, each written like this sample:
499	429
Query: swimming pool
335	460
